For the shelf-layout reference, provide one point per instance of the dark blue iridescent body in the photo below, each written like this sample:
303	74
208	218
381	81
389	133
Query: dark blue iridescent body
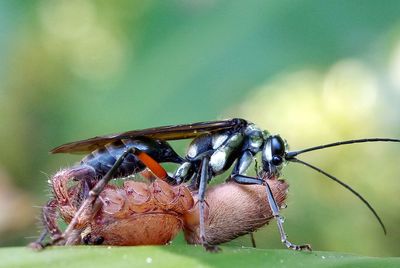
102	159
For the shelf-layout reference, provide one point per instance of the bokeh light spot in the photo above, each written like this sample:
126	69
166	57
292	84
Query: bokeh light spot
350	88
72	29
67	19
394	71
98	56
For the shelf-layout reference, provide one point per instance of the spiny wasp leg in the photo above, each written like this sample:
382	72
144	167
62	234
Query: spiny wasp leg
241	179
204	177
280	220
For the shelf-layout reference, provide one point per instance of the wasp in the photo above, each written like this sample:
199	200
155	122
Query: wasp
216	146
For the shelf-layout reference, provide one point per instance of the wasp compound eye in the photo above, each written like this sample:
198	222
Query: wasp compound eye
277	146
277	160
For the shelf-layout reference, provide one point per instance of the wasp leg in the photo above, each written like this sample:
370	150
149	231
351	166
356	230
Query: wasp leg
184	172
274	208
204	177
242	179
280	220
253	241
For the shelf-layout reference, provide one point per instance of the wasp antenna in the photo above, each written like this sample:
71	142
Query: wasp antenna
291	155
345	186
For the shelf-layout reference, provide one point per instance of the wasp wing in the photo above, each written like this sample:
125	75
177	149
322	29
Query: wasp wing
173	132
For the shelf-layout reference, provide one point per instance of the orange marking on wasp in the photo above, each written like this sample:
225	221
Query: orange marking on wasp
153	165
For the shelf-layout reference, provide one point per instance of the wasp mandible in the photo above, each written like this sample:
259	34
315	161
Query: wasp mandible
216	146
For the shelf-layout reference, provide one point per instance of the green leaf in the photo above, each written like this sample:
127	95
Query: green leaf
182	256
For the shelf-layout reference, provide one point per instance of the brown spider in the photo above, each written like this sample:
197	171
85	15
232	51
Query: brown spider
152	213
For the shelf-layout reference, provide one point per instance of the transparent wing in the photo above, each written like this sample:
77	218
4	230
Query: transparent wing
173	132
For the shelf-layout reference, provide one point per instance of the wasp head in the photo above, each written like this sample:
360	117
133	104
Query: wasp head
273	155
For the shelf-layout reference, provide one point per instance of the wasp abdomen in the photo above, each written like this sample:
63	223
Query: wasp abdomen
101	160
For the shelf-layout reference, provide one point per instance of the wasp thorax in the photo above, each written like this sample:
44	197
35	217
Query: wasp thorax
254	138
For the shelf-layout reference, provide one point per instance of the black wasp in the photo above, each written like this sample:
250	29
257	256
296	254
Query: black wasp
216	147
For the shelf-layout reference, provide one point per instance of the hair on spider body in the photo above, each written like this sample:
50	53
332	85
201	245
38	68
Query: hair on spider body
152	213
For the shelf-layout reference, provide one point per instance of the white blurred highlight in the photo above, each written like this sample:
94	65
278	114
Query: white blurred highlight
73	29
98	56
394	70
350	88
309	106
67	19
289	105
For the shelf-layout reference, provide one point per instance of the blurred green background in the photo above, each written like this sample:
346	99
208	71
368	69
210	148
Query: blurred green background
313	71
